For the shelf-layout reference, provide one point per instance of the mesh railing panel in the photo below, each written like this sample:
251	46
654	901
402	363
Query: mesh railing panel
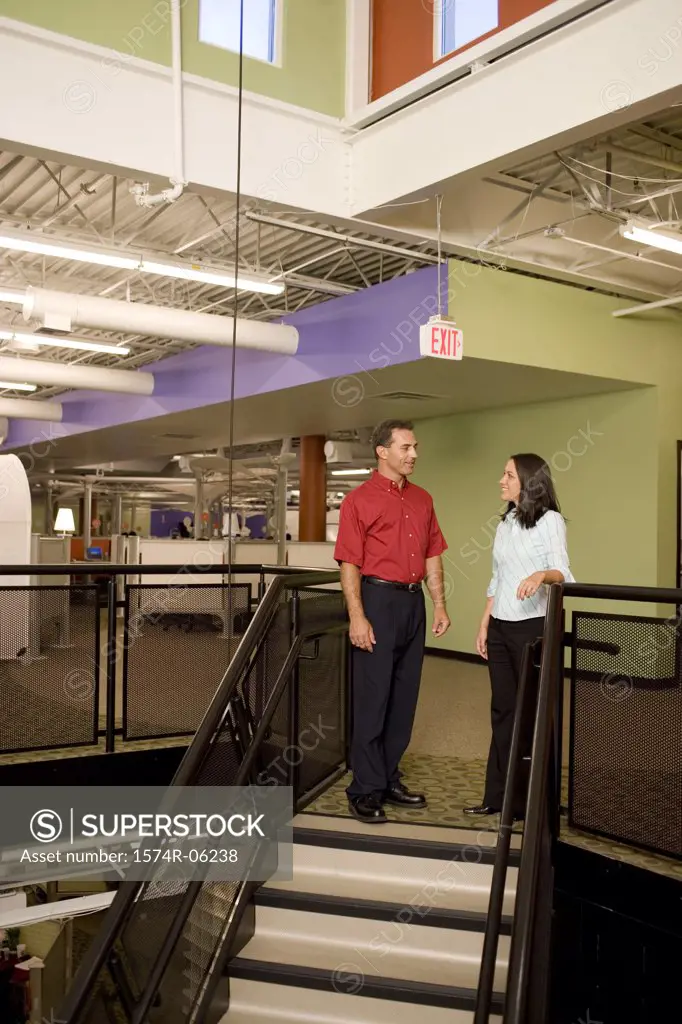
626	710
191	962
178	643
321	710
49	667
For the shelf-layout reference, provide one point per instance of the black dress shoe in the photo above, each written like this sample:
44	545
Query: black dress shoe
483	810
400	796
367	809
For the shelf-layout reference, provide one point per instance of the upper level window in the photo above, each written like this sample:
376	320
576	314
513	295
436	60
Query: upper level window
219	25
460	22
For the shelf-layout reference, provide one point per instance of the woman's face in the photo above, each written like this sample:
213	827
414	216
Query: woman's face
509	484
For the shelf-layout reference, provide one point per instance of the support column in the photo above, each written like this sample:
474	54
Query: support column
199	508
87	514
116	514
312	520
281	515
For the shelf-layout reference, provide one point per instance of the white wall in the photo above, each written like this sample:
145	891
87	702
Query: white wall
82	101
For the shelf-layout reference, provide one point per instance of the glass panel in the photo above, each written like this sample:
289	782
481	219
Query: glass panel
466	20
219	26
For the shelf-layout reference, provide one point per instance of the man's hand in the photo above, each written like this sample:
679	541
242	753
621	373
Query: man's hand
441	622
361	633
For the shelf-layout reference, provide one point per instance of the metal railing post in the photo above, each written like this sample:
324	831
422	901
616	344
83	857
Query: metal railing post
110	740
294	696
496	901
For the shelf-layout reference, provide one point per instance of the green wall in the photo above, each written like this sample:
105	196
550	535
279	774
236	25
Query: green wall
597	447
515	319
314	42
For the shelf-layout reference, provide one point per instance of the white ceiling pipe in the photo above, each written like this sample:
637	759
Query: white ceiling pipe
23	409
63	311
70	375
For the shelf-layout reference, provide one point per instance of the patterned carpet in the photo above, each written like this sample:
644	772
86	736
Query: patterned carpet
451	783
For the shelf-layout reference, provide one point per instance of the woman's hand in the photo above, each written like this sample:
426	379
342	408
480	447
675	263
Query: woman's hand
482	642
530	586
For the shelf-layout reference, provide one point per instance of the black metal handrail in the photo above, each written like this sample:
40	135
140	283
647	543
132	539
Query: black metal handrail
496	902
526	994
130	569
537	822
613	592
122	905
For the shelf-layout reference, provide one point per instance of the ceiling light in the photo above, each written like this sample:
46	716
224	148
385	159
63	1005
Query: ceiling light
195	273
18	387
350	472
17	297
654	238
42	247
107	258
57	342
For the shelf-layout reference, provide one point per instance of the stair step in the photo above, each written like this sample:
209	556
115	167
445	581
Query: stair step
258	1002
381	999
374	909
413	881
401	838
340	945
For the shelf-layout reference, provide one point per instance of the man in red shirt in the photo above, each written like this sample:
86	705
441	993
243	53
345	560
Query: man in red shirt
389	541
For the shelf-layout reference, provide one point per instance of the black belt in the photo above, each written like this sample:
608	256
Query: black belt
413	587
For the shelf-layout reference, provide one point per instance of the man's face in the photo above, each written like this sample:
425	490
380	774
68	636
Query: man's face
401	455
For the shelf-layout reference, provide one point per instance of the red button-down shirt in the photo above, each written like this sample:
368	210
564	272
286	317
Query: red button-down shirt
389	531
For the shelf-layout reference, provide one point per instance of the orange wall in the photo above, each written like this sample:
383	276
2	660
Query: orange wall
402	38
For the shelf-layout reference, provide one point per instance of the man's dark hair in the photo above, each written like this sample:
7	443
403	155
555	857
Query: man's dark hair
383	434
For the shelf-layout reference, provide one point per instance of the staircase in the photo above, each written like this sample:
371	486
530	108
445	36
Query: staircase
380	925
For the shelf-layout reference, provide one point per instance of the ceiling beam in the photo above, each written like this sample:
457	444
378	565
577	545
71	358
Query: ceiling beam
656	135
655	161
360	243
674	300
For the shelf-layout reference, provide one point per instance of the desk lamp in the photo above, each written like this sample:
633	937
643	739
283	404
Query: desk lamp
64	523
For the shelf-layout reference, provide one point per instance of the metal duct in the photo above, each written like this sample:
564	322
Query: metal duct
23	409
71	375
61	311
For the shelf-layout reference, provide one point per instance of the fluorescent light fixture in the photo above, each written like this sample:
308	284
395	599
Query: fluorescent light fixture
59	342
195	273
17	297
350	472
17	387
655	238
64	523
104	258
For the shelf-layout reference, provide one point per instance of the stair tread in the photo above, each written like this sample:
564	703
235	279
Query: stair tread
390	878
413	951
375	908
255	1002
440	834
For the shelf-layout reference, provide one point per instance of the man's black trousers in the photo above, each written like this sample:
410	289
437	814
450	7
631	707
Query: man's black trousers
506	642
386	686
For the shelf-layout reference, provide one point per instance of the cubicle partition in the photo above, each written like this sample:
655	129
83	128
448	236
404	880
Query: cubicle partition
313	555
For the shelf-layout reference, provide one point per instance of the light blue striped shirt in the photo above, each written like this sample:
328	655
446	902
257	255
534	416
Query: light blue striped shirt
518	553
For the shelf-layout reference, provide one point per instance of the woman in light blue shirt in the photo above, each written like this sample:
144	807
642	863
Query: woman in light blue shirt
529	552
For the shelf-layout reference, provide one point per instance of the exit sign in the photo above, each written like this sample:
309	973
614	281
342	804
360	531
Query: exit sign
442	339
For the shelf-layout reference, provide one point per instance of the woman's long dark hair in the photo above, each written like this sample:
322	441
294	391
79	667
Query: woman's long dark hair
537	490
